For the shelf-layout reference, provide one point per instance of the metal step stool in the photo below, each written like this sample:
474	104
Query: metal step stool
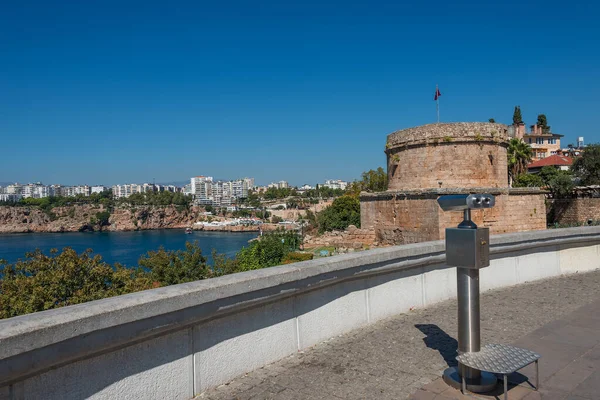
500	359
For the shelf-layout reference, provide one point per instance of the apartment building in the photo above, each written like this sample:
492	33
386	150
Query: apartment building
98	189
543	144
10	197
336	184
206	191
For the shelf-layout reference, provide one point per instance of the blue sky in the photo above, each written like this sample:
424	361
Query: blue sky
113	92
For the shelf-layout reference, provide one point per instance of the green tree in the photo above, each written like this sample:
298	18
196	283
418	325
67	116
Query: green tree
562	185
223	265
371	181
587	167
268	251
102	218
528	180
170	267
374	181
559	182
42	282
343	212
519	155
548	173
492	120
542	122
517	117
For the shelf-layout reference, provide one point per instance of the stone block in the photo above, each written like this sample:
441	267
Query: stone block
501	272
396	293
230	346
579	259
161	366
439	284
330	311
540	264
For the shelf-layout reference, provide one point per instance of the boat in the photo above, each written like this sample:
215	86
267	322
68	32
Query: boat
188	231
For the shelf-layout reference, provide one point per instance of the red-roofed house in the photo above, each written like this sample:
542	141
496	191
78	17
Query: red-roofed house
558	161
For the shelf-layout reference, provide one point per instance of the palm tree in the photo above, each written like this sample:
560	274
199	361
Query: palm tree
519	155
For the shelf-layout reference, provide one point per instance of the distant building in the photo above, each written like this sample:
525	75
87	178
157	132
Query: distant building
72	191
123	191
201	189
10	197
304	188
558	161
35	190
542	144
167	188
98	189
278	185
14	189
336	184
219	193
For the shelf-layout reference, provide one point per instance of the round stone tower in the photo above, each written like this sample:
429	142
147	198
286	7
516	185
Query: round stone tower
454	155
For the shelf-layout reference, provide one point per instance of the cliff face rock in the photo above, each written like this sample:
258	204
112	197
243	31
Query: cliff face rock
148	217
80	217
59	219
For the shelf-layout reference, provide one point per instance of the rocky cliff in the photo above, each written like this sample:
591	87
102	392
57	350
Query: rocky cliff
83	217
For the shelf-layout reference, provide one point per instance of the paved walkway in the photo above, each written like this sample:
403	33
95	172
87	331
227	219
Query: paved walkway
569	367
395	358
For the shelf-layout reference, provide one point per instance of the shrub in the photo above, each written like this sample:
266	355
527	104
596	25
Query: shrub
296	257
344	211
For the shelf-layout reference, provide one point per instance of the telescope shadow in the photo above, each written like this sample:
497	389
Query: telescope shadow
439	340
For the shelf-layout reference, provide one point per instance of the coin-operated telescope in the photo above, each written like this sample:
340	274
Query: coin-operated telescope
468	249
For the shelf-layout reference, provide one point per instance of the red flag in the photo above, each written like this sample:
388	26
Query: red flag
437	94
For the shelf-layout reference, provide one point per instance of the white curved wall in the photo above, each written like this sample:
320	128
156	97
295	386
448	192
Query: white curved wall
175	342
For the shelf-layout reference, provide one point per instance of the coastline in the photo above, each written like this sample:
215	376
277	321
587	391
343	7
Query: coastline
83	218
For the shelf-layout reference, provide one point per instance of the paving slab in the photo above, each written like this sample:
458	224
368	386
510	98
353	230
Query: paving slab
405	355
569	367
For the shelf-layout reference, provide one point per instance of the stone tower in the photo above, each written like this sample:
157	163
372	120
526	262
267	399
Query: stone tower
459	155
429	161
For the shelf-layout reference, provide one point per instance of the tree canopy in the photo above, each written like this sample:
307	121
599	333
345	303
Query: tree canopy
268	251
343	212
41	282
517	117
519	155
587	167
371	181
528	180
542	122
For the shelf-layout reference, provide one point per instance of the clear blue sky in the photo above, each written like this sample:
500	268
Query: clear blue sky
105	92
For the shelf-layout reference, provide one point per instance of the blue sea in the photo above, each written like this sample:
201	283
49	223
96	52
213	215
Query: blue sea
123	247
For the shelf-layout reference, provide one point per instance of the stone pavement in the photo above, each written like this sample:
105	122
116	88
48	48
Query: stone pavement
569	367
395	358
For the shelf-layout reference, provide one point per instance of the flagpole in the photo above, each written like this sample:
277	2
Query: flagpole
437	103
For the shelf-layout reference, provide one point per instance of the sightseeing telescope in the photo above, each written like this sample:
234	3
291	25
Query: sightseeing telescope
468	249
459	202
466	203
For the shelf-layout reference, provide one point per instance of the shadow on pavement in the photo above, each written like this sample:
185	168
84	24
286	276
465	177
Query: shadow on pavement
439	340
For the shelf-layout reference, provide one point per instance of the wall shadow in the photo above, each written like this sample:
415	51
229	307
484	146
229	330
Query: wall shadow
439	340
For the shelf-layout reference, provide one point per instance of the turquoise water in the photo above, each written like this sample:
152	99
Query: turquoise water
123	247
